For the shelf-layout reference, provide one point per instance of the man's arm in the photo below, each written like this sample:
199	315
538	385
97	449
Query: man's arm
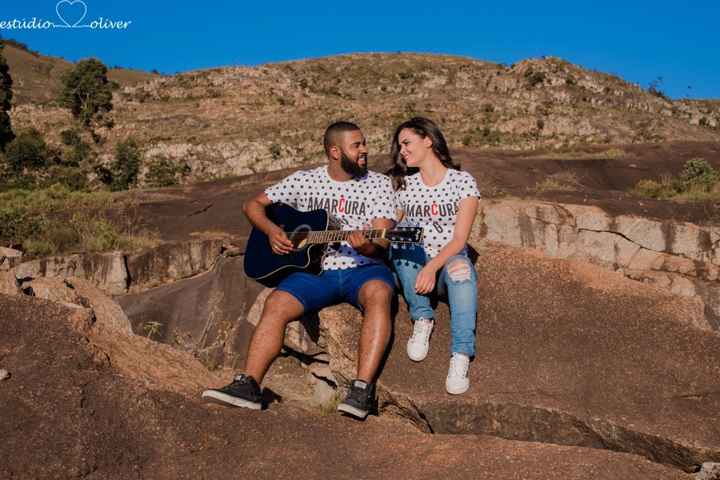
254	210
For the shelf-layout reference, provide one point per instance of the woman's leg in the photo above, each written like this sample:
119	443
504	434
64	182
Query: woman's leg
459	279
407	263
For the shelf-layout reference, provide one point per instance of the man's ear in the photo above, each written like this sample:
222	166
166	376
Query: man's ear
334	152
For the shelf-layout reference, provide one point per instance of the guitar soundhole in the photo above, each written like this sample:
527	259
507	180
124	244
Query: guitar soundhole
298	237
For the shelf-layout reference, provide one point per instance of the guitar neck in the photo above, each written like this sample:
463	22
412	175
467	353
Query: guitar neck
332	236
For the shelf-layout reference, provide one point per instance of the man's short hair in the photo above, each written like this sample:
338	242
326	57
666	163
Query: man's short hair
333	132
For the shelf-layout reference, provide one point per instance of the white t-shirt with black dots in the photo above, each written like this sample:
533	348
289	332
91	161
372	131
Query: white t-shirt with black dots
434	209
352	204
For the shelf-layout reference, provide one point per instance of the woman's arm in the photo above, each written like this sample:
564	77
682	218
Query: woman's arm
467	210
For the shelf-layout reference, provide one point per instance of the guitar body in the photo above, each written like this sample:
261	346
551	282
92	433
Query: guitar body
269	268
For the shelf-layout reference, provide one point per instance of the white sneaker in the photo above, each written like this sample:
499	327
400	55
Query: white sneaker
457	381
419	343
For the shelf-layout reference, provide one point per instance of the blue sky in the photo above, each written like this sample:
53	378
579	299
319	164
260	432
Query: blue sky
635	39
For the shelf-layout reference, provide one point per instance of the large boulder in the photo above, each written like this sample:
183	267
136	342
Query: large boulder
680	256
109	315
170	262
81	404
9	258
206	314
568	353
8	282
54	289
104	270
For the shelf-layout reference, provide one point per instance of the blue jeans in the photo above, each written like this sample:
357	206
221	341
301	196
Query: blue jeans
460	287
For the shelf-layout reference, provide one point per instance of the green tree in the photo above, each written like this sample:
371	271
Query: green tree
87	92
27	151
6	133
126	167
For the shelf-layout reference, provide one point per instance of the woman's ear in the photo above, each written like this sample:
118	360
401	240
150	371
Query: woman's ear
427	141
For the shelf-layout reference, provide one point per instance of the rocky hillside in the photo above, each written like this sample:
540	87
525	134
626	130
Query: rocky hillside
240	120
36	77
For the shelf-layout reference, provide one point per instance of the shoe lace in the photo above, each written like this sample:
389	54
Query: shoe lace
422	329
458	365
359	394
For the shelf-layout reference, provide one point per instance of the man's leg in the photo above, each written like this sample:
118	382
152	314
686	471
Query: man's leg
297	293
267	340
374	297
371	288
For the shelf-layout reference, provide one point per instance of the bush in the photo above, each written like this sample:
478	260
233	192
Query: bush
654	189
72	177
275	151
28	150
18	222
165	173
70	138
534	78
697	182
698	171
126	167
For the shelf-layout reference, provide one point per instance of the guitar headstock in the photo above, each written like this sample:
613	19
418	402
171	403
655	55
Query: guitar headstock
405	235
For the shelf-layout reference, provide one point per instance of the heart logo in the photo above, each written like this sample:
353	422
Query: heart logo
69	10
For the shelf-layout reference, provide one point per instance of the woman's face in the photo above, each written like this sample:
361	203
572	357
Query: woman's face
413	147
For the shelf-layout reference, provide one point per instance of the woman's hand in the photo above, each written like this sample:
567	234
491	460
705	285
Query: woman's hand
425	281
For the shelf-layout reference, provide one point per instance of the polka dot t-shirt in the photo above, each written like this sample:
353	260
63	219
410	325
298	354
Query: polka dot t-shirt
352	205
434	209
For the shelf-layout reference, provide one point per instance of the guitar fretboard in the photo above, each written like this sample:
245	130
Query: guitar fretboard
332	236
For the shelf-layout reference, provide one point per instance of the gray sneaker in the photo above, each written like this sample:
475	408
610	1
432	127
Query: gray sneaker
359	401
243	391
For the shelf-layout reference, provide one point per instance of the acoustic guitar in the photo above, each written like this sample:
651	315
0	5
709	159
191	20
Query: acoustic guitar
309	232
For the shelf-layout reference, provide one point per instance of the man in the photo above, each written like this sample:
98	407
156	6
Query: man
352	271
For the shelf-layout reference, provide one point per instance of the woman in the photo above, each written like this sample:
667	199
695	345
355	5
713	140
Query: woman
432	193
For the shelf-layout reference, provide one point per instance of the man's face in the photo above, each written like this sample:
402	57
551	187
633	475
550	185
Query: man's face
353	154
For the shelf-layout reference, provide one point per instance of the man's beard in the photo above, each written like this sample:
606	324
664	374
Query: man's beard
352	168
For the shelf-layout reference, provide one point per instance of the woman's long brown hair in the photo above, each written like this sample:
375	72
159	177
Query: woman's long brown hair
425	128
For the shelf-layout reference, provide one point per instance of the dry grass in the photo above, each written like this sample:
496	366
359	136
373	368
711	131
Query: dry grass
698	182
56	220
610	154
561	181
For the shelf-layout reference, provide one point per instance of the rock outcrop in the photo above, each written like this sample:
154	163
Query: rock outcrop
117	273
206	314
70	409
105	270
9	259
683	258
590	358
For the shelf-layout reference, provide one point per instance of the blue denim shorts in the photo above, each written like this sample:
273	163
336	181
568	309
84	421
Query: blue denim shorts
333	286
